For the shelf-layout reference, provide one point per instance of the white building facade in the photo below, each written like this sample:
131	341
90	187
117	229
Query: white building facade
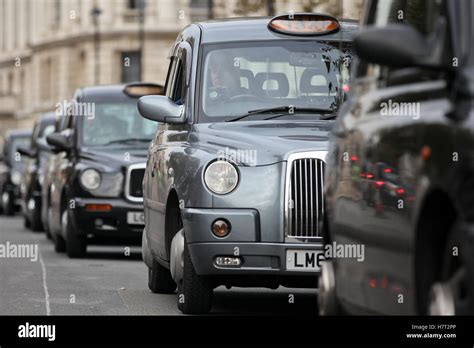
49	48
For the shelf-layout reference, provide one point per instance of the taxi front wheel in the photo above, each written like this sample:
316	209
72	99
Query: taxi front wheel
195	292
452	293
76	245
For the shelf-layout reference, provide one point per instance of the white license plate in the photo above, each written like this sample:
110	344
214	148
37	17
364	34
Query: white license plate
302	260
134	218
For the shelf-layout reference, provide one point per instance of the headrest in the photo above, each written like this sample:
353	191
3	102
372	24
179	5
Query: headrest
309	82
273	84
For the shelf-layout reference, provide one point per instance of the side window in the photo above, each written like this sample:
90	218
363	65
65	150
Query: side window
64	122
174	83
4	147
170	78
72	121
178	93
34	138
421	14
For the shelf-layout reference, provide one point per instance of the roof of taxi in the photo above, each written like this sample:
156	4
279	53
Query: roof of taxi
105	93
256	29
21	132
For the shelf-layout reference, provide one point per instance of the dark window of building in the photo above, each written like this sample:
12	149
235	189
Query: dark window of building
133	4
57	12
131	66
200	10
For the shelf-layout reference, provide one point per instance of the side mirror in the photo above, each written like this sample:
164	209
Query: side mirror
26	151
396	45
59	141
160	108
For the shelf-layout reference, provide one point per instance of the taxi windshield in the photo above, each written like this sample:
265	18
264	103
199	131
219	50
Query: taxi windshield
117	124
239	78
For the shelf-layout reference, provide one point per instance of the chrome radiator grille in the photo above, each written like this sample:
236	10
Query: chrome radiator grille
304	195
134	181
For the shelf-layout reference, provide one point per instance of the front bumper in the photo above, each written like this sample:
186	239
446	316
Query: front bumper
258	256
107	226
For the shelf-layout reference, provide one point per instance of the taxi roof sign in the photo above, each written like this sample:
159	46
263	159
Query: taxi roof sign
304	24
140	89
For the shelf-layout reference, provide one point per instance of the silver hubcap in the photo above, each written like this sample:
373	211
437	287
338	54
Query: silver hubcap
441	300
176	257
50	217
31	204
5	199
64	223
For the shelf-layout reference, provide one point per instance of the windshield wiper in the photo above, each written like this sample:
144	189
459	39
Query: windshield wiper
287	109
329	117
128	140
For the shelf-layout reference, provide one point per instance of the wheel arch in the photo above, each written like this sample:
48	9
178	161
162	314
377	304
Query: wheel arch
173	219
437	213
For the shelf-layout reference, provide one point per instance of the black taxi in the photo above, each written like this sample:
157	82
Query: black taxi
12	165
401	166
35	155
96	187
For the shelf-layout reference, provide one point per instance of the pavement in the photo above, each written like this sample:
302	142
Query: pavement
111	282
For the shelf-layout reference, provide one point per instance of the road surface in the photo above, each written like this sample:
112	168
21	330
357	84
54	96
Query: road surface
109	282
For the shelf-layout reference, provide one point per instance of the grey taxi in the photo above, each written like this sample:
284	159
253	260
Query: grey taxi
233	184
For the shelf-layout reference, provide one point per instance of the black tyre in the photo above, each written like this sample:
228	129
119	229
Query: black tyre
76	246
59	244
36	224
195	292
8	203
159	279
26	221
453	293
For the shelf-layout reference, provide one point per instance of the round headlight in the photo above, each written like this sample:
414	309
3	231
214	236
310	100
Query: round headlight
16	178
221	177
90	179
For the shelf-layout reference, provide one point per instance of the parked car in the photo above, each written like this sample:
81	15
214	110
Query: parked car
96	189
11	167
32	179
51	166
233	182
410	115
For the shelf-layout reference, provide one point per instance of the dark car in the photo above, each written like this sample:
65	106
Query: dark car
36	154
410	123
11	168
233	183
50	168
96	189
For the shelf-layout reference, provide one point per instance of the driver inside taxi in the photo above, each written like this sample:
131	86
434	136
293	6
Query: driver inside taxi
224	75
